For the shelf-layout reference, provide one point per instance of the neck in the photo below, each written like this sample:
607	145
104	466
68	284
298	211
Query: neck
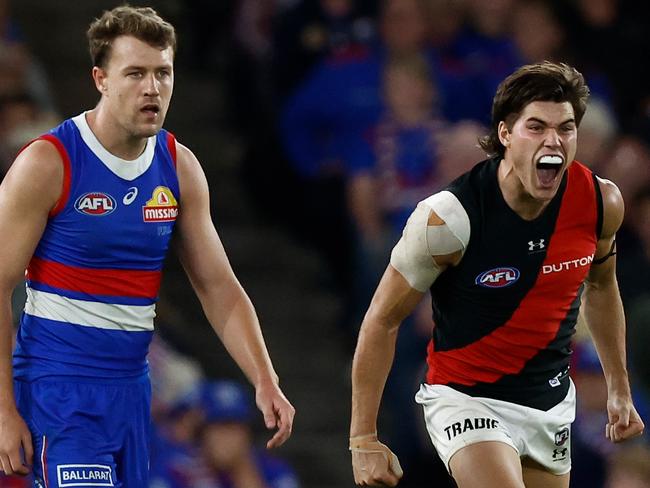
515	195
113	137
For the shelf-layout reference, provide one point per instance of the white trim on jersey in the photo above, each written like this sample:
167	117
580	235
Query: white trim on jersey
127	170
130	318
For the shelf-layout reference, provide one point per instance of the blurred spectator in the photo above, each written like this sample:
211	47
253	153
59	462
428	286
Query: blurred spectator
227	442
21	120
342	97
396	165
598	132
391	168
603	29
628	166
177	416
314	30
590	449
629	468
175	456
634	249
639	338
459	149
484	54
335	104
537	32
19	71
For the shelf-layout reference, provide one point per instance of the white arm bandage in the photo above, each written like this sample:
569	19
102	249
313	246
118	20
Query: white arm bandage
413	255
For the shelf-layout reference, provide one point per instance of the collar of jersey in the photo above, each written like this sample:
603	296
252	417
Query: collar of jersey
127	170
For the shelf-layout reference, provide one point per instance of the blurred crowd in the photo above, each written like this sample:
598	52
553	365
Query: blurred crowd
349	112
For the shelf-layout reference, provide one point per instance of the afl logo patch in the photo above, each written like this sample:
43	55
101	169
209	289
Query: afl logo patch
498	277
95	203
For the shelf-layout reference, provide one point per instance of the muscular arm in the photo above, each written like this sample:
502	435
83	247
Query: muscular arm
225	303
606	321
27	194
393	301
395	298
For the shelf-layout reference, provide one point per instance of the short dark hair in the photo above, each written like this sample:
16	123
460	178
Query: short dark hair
143	23
540	82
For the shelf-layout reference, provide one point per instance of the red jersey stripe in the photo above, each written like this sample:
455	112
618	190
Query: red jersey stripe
171	145
535	323
65	191
109	282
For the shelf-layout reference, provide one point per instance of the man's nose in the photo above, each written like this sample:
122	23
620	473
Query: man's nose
151	85
552	138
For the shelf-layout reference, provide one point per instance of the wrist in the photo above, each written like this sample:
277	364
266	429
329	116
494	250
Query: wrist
358	440
267	380
618	384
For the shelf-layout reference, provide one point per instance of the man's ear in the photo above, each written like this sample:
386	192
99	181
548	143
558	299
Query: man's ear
504	134
101	81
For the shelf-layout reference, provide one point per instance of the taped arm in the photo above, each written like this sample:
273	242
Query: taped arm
428	245
436	236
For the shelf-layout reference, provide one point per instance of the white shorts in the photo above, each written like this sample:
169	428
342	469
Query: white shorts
455	420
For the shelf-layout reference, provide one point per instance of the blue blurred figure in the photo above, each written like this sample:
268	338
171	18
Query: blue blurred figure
227	442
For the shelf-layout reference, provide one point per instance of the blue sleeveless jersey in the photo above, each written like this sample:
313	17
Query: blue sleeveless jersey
94	278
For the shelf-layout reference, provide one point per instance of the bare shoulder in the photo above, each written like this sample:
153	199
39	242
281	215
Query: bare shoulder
37	173
613	207
190	173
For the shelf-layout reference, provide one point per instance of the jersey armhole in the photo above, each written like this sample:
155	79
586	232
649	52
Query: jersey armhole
67	171
599	206
171	145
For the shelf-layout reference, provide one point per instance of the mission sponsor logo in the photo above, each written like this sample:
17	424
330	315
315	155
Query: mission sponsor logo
95	203
162	207
498	277
84	475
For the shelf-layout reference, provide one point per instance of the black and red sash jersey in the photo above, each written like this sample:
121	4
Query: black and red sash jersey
506	313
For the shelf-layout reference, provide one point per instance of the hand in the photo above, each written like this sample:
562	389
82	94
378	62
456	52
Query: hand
278	413
624	421
373	463
14	434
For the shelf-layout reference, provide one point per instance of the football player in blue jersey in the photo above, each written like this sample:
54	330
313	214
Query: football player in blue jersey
89	209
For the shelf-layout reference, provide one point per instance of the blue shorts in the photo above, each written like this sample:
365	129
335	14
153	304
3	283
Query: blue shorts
87	433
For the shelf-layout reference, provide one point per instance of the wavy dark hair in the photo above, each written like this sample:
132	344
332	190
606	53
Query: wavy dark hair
143	23
540	82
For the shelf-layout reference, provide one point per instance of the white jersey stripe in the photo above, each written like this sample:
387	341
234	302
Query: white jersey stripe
131	318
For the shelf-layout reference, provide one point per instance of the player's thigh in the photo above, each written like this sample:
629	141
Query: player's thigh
72	459
487	465
535	476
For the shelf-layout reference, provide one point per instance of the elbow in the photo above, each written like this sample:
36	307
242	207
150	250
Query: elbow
379	322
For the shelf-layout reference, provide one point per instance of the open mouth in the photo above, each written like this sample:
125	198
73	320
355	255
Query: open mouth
548	167
150	109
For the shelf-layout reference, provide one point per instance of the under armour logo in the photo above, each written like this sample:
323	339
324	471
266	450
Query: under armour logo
536	246
559	454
